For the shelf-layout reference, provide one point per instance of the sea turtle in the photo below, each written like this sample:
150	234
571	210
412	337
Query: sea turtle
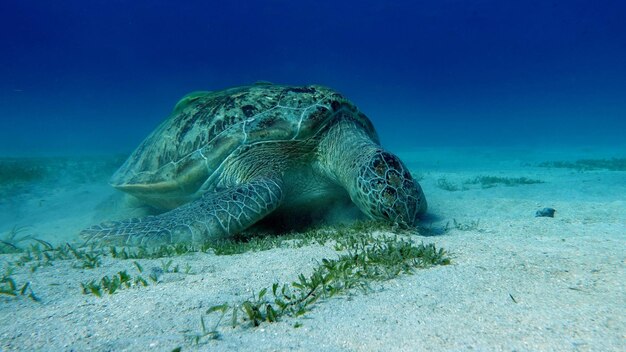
227	159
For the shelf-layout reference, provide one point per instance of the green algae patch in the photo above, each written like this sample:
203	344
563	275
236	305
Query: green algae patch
614	164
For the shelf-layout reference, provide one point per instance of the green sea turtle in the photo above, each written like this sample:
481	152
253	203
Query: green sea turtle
225	160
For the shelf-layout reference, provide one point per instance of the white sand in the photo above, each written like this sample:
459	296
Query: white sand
566	274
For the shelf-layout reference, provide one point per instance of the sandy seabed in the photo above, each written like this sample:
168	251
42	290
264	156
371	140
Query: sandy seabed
516	283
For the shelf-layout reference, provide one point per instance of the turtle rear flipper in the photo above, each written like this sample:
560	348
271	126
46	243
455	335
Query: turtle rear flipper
214	215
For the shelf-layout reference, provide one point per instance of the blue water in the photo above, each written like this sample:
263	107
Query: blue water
97	76
461	90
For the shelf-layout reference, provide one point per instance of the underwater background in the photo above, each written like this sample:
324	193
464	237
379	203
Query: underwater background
511	115
93	77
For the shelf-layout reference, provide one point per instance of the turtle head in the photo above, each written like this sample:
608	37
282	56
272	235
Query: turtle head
386	190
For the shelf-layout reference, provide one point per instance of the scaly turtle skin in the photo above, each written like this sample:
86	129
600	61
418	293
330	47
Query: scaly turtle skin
225	160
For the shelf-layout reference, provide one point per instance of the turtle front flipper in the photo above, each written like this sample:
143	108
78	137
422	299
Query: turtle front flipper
215	215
